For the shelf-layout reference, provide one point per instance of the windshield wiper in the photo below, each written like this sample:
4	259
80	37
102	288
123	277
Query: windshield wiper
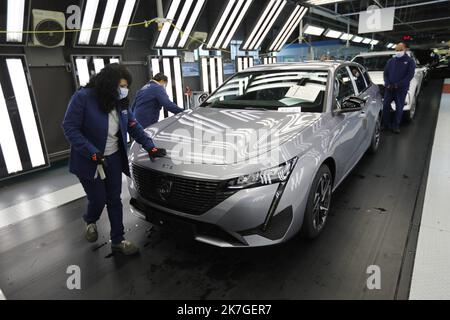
255	108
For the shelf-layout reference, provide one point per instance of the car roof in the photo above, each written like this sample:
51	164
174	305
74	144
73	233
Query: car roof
319	65
376	53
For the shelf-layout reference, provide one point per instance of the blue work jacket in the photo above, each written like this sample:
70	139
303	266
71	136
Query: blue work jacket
85	126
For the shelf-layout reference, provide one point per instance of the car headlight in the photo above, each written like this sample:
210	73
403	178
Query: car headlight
264	177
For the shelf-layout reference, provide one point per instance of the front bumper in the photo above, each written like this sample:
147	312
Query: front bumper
236	222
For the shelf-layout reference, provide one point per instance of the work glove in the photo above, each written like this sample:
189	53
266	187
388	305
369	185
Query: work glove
100	161
98	158
156	153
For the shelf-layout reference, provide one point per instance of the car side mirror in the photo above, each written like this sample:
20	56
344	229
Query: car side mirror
351	104
202	98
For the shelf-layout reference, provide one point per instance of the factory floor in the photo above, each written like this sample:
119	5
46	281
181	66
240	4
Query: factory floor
374	220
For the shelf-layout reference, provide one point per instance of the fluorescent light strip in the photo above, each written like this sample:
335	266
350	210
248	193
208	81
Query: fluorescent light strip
294	23
236	24
245	64
99	64
25	106
251	62
229	23
313	30
156	69
320	2
366	40
258	24
205	74
374	42
178	83
168	71
155	66
114	60
107	21
88	22
180	22
222	19
357	39
389	45
285	28
124	22
269	23
333	34
291	28
219	71
83	71
212	66
346	36
192	19
170	16
239	64
15	17
7	138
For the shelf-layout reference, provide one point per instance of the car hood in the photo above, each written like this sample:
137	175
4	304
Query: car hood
229	136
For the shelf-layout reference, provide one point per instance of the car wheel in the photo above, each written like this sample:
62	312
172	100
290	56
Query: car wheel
376	137
318	206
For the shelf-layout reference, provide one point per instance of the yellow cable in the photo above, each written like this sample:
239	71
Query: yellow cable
145	23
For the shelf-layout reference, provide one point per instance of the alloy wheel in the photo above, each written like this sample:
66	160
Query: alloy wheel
322	200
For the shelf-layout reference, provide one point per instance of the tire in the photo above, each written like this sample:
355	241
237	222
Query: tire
376	137
318	206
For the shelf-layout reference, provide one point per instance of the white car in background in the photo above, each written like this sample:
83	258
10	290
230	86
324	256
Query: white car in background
375	63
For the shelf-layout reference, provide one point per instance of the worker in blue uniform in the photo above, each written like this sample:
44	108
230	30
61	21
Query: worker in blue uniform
150	99
96	125
398	73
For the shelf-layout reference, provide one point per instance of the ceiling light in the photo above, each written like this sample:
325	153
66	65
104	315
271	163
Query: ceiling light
107	21
124	22
88	22
357	39
321	2
333	34
264	24
313	30
192	20
26	111
288	28
15	19
367	40
346	36
374	42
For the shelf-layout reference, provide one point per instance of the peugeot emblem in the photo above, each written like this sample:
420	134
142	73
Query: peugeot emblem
165	188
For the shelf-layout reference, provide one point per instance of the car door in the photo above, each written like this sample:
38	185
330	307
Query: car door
348	132
368	114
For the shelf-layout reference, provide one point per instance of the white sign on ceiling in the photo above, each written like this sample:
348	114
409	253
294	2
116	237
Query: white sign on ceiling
375	19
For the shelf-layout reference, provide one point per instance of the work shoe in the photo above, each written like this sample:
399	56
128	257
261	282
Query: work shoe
126	247
91	232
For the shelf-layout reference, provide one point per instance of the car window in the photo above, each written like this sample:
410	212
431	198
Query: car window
358	77
366	76
373	63
343	86
282	90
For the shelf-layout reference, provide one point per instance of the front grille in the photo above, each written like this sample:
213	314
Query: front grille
188	195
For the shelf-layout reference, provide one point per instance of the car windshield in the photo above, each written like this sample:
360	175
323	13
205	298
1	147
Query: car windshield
285	91
373	63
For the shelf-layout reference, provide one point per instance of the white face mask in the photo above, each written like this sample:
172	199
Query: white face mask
123	93
399	54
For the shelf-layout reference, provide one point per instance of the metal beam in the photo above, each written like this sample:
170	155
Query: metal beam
401	7
332	15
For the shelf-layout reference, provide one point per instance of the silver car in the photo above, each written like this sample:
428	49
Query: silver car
257	162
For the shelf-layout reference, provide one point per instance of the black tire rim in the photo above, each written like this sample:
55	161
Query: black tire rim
322	199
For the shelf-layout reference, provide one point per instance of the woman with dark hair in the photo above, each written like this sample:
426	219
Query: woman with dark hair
96	125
